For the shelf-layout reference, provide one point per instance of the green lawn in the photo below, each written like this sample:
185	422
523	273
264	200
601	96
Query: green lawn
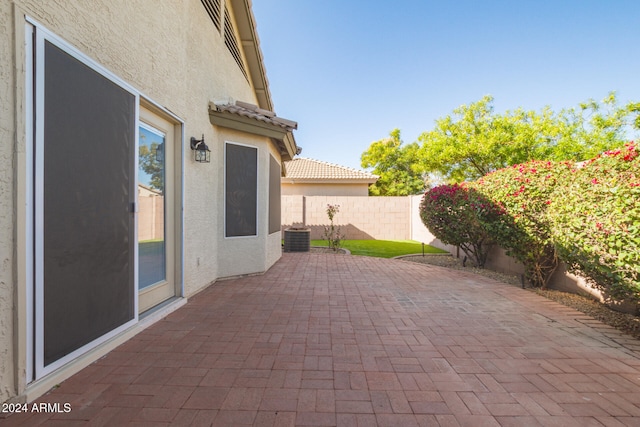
383	248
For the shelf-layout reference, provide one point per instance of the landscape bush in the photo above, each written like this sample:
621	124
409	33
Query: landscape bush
595	221
451	212
586	215
523	192
332	233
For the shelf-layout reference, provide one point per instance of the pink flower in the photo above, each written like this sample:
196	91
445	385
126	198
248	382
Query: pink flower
594	181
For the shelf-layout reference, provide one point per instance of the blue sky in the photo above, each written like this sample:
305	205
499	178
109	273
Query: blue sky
350	71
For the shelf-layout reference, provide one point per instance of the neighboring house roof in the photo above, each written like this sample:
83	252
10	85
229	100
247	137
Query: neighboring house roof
146	191
310	170
258	121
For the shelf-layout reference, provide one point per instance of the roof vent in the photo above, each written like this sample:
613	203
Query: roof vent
213	9
231	42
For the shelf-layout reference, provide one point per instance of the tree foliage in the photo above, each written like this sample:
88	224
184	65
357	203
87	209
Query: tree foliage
150	164
475	140
395	164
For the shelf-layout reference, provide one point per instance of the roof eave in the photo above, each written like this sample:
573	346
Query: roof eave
251	46
282	137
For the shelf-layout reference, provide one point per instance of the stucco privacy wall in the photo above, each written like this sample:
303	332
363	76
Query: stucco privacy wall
395	218
359	217
179	62
331	189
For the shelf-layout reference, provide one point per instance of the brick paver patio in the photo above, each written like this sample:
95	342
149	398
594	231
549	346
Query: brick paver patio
324	340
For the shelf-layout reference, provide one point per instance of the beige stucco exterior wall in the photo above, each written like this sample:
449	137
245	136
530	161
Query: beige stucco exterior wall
181	65
238	255
7	195
325	189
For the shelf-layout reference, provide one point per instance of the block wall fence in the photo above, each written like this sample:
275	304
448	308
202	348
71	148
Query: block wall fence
359	217
398	218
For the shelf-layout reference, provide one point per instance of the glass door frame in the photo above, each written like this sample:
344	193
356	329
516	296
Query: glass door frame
156	293
36	299
30	229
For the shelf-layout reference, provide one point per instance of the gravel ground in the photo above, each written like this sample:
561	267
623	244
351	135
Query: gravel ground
624	322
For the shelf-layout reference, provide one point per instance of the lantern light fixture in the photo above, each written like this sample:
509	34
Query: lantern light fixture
160	153
201	152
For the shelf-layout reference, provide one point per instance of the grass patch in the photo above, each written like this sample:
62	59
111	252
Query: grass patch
383	248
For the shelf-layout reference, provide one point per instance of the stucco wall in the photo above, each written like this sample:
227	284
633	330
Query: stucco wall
169	51
182	65
238	255
358	217
7	193
421	233
329	189
150	217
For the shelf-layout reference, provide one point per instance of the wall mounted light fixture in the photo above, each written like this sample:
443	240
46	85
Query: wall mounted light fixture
201	152
160	153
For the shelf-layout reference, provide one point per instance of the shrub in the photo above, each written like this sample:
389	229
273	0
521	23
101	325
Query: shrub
524	192
450	212
595	221
332	233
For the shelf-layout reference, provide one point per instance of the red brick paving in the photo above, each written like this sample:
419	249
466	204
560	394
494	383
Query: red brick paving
324	340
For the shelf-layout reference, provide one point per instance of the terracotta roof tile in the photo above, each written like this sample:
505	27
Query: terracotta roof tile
254	112
309	169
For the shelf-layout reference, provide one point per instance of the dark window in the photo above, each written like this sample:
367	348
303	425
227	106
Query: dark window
89	142
241	190
275	173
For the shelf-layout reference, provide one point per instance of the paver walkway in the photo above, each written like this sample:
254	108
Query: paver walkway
324	340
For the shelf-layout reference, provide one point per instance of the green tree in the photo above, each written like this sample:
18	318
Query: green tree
475	140
151	165
397	166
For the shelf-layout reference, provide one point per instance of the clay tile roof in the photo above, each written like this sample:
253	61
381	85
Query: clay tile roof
254	112
316	170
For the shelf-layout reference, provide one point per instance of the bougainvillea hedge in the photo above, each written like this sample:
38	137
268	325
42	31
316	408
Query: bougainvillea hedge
585	215
524	192
451	213
595	221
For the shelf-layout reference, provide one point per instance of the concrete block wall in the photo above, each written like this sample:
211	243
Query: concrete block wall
359	217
